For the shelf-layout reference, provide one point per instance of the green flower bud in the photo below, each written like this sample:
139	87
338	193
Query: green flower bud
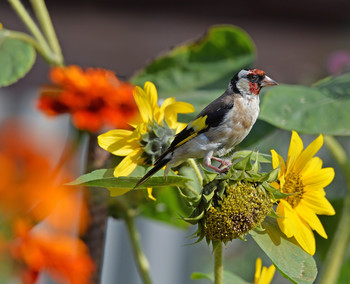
156	141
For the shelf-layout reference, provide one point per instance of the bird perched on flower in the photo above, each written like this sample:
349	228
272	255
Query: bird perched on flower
219	127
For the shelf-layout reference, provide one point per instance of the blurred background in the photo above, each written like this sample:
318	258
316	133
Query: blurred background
297	42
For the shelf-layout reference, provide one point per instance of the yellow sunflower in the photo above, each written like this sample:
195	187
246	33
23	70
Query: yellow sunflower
152	132
304	177
264	275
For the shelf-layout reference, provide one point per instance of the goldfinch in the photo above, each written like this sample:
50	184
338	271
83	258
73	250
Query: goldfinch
219	127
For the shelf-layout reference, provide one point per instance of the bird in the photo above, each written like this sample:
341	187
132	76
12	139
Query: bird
219	127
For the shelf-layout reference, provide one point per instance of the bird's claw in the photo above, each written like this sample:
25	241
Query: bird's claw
224	165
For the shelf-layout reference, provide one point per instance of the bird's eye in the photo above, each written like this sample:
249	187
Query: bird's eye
253	78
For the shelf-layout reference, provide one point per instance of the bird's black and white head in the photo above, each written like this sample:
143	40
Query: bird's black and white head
250	81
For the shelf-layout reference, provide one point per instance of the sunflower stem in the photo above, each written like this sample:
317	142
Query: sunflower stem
338	247
196	169
140	257
218	264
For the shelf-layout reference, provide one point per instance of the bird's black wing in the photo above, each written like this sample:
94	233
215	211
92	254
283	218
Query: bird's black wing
211	116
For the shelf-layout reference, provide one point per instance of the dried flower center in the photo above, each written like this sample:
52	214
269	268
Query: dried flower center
243	207
156	141
294	185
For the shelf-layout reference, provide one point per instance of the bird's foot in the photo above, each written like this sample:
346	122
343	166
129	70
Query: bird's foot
223	163
219	170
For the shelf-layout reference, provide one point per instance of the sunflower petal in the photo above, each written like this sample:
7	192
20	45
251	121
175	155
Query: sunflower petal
277	160
106	139
151	92
291	225
308	153
119	142
128	164
269	274
295	148
319	178
310	217
149	193
152	97
258	265
314	164
305	237
143	104
160	117
316	201
180	126
171	111
287	222
122	148
180	107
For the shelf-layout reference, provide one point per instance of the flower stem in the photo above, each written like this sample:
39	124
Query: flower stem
196	169
141	259
44	48
44	19
23	37
98	209
218	264
338	247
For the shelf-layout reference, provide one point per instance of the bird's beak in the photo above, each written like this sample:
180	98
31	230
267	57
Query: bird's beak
268	82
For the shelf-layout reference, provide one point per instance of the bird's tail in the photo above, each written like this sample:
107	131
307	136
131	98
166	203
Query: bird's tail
160	163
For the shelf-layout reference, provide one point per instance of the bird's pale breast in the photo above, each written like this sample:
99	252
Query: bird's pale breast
237	123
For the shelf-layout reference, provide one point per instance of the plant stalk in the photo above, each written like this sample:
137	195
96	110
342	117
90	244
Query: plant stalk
338	247
23	37
141	260
44	50
44	19
97	200
218	264
196	170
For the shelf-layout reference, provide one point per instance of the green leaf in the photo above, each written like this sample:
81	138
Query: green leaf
16	59
291	260
245	164
228	277
322	108
105	178
263	158
218	55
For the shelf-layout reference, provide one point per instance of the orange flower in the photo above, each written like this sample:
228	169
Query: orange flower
30	193
27	185
64	257
94	98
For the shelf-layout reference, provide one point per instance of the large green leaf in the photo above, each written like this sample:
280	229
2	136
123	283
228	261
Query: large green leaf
228	277
16	59
322	108
292	261
105	178
218	55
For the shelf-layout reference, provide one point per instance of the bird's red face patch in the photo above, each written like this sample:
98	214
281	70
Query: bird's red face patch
257	72
254	87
